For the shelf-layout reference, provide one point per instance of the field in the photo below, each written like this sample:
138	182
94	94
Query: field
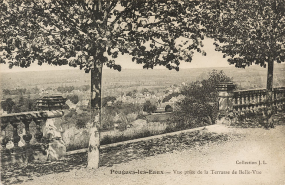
115	82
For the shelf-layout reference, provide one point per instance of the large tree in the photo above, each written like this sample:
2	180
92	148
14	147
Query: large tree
248	31
91	33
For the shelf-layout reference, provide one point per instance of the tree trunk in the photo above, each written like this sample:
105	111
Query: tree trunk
269	83
270	75
94	142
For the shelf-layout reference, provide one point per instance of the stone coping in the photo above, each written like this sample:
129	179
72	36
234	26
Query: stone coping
140	139
30	115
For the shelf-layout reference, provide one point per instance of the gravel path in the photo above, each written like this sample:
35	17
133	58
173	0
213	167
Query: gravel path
213	160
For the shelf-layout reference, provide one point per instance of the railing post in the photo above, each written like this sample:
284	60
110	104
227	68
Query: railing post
39	133
4	141
226	94
4	138
28	136
16	138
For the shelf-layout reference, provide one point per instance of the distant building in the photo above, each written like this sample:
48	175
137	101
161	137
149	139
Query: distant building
51	103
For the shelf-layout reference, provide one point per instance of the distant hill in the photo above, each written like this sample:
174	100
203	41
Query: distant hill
253	76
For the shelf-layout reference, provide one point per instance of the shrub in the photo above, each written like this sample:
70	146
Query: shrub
73	98
168	108
148	107
141	116
199	106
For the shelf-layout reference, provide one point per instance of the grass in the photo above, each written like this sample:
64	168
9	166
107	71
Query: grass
150	129
158	117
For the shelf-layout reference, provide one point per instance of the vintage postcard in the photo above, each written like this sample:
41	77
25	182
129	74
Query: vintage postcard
142	92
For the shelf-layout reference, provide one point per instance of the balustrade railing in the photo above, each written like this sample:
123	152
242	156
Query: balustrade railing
248	101
256	99
16	153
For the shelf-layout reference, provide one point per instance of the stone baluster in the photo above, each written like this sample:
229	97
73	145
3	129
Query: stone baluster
263	99
242	101
251	100
246	100
16	137
39	133
252	96
28	136
258	99
234	101
4	141
254	100
4	138
238	102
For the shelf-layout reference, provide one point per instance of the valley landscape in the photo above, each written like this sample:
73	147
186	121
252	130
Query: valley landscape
115	82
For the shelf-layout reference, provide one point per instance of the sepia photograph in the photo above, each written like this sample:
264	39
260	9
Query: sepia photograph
138	92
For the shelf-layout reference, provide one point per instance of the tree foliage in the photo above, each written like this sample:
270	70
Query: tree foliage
200	102
149	107
7	105
205	91
107	99
84	33
73	98
24	104
247	31
169	96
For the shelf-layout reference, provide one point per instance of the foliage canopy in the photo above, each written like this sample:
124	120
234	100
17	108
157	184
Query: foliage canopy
247	31
86	33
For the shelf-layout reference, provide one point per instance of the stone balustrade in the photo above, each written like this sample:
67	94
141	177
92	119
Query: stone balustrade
256	98
231	100
249	99
26	151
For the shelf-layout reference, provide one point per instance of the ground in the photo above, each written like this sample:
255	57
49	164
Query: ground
212	160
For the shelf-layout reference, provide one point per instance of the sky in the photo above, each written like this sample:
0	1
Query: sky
213	59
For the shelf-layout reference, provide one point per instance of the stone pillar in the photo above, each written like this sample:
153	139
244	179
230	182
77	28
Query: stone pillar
4	138
39	133
56	146
226	103
4	141
27	138
16	150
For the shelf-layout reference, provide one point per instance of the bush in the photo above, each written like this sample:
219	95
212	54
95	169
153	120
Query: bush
141	116
24	104
199	106
107	99
148	107
168	108
73	98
